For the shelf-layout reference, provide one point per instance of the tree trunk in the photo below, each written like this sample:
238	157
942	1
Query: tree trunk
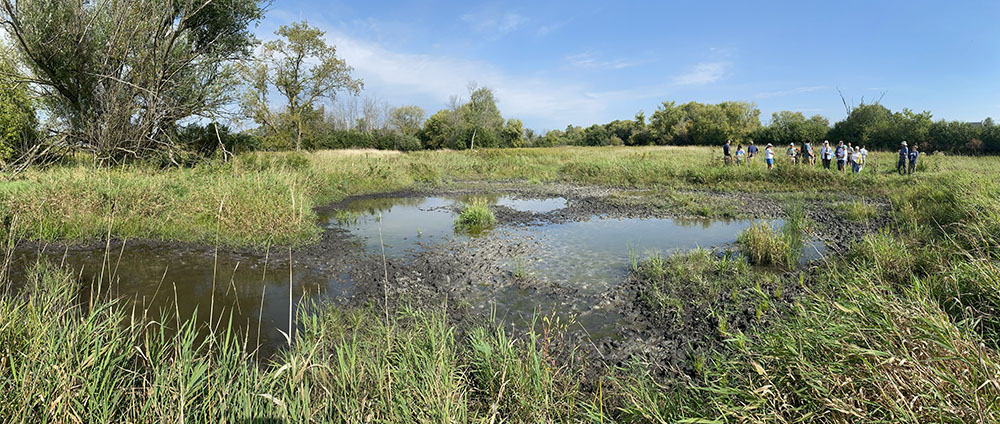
298	135
472	144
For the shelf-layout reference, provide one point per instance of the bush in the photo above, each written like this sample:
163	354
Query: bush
203	140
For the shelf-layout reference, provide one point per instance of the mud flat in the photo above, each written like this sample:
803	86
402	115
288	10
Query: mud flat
575	252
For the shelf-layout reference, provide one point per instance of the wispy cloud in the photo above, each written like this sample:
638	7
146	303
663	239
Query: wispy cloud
552	103
703	73
591	61
494	25
791	91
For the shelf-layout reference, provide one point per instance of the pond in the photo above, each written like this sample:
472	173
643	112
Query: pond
589	254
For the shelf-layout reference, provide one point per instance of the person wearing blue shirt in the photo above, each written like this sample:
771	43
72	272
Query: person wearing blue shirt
751	152
904	154
913	159
826	153
841	154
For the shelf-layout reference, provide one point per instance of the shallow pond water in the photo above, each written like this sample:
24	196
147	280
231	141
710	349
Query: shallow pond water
589	255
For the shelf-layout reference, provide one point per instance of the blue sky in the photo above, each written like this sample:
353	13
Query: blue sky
558	63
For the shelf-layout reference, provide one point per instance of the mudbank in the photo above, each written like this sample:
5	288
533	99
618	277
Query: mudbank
580	253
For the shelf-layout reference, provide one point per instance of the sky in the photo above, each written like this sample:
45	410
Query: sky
553	63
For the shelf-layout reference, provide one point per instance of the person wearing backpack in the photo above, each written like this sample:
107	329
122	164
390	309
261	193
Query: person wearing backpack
904	154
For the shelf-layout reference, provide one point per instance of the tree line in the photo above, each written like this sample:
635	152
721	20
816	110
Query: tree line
156	79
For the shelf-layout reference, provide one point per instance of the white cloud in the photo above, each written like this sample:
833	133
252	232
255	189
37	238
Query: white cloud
703	73
494	25
590	61
551	103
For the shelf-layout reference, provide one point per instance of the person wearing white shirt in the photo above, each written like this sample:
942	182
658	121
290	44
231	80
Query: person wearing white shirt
826	154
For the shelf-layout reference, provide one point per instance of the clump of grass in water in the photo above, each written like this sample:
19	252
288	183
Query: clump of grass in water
765	245
476	217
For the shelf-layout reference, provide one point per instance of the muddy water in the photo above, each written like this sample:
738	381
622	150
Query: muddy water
585	256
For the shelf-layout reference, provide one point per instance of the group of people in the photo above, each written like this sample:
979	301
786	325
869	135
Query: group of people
846	156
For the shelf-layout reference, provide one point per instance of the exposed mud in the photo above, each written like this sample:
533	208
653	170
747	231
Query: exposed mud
473	277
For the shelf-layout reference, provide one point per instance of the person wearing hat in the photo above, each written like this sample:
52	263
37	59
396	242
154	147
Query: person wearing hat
904	154
826	153
769	155
751	152
792	156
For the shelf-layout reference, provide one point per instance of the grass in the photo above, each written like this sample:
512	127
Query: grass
857	210
903	328
765	245
66	361
475	217
266	198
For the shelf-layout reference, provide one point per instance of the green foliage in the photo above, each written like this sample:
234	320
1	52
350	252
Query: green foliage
117	94
305	71
765	245
18	124
793	127
475	217
857	210
703	124
204	140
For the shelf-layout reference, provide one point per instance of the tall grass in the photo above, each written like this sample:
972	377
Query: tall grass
765	245
475	217
267	197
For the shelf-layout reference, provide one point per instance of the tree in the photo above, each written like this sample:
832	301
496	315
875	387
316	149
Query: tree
481	112
407	119
18	123
304	70
438	130
116	76
512	134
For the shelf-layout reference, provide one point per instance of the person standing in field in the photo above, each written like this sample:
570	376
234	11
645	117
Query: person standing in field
726	155
864	157
904	154
740	154
850	156
751	152
826	154
913	159
856	160
841	154
808	157
769	156
791	153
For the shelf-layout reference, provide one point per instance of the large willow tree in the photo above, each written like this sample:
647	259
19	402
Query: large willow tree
117	75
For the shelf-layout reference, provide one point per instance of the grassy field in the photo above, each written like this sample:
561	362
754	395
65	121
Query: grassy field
267	198
904	327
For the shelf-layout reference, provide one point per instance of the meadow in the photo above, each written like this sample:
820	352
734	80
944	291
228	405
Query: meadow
904	326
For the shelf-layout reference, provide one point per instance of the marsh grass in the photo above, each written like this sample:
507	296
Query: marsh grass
763	244
475	217
268	197
67	360
856	210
